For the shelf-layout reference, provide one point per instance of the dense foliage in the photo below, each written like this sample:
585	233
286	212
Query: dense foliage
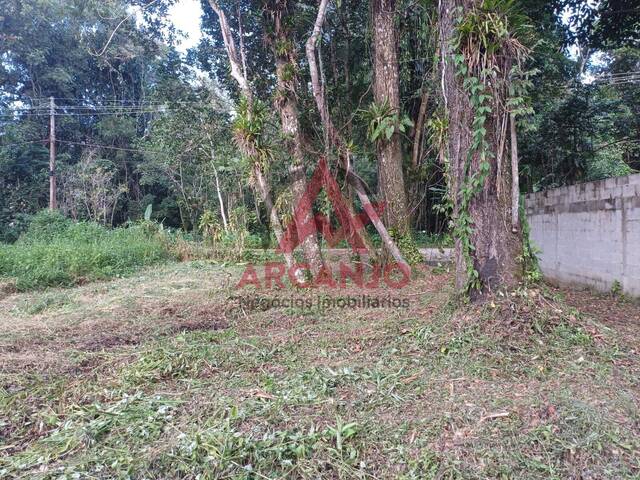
140	123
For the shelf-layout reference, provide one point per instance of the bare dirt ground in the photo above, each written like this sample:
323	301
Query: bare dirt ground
619	313
167	374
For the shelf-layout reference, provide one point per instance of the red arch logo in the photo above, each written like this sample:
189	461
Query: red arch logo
350	224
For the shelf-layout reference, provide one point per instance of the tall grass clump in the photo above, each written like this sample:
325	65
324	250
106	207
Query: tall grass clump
55	251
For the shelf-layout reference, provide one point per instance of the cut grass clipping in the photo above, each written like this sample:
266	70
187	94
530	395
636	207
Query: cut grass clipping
522	387
58	252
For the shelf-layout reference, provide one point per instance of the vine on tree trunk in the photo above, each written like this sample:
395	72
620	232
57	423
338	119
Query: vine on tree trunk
472	182
484	51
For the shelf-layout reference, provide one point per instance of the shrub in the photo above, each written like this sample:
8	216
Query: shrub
45	225
12	226
58	252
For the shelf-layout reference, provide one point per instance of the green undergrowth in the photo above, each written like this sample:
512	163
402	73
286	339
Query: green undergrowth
55	251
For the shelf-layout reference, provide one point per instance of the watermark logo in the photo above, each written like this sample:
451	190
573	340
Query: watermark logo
351	228
305	224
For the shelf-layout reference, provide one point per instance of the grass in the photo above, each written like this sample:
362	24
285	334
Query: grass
57	252
161	375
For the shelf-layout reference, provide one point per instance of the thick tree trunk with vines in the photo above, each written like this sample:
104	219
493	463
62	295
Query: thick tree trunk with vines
495	248
386	89
287	105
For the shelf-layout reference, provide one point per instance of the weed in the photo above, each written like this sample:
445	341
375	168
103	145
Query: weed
187	355
57	252
616	288
527	388
112	431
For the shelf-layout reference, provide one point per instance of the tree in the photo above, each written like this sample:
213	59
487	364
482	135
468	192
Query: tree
124	94
185	151
89	191
386	94
284	46
604	24
480	48
249	127
335	139
99	98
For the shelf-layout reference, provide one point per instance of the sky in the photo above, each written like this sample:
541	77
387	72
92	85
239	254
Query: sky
185	15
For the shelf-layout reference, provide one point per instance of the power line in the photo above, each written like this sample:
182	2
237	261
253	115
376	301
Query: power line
89	107
116	102
107	107
87	111
175	106
89	114
91	110
624	73
110	147
111	103
24	142
84	99
625	82
92	114
43	106
100	105
619	78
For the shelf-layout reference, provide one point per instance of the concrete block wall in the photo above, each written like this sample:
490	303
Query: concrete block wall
589	234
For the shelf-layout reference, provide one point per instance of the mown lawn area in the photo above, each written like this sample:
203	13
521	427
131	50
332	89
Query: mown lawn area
161	375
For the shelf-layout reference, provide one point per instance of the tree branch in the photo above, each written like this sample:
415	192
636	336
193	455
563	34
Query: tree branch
237	72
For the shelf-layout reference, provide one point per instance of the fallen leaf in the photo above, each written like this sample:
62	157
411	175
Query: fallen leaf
261	394
410	379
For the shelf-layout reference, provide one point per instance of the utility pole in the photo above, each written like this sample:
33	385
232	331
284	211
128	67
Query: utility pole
52	155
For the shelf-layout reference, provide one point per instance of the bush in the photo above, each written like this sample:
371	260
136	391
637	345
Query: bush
55	251
45	225
12	226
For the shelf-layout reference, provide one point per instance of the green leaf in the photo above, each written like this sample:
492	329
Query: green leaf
389	131
407	121
377	131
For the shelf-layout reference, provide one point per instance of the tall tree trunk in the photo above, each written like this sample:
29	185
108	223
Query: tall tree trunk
494	247
287	105
239	75
416	152
515	180
336	140
263	188
386	89
219	192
